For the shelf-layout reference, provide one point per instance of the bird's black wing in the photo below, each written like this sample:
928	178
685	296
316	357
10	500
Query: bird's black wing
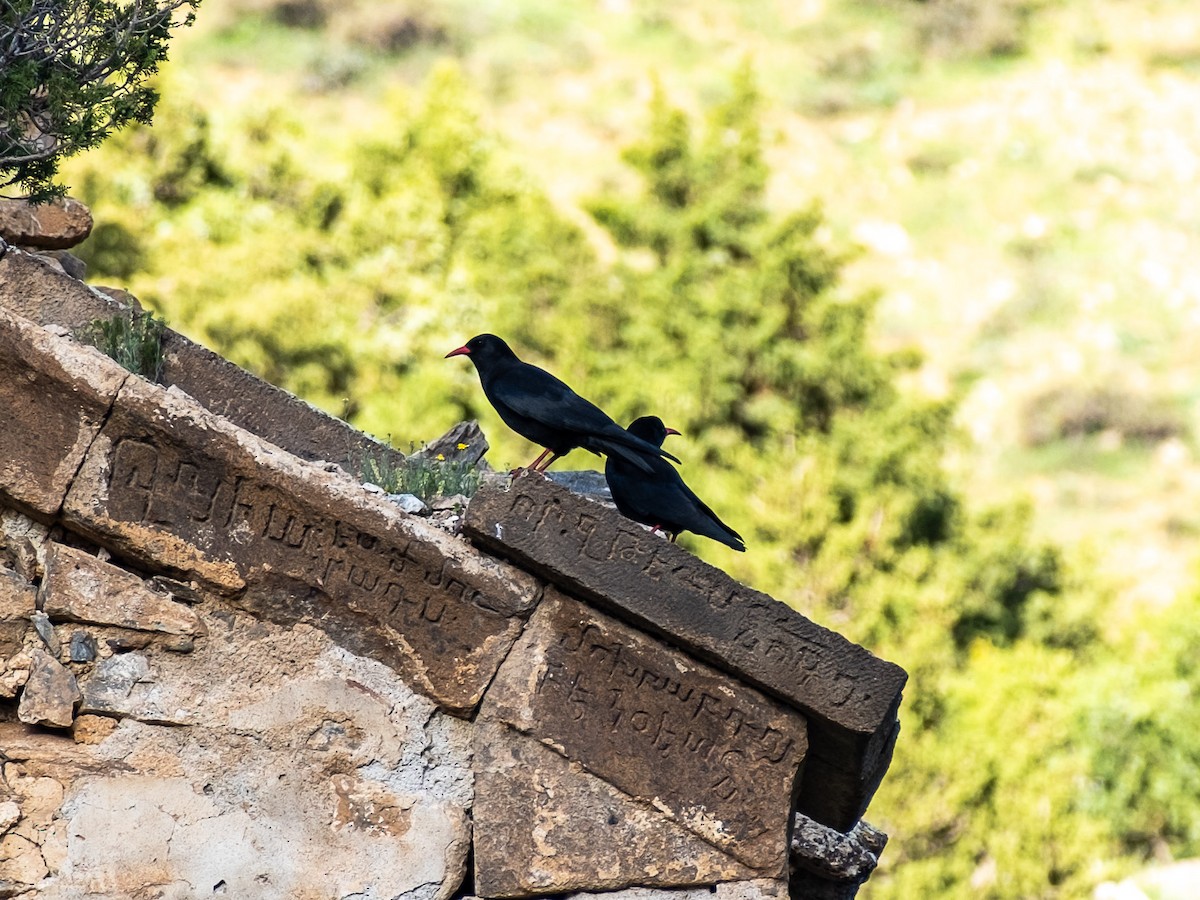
536	394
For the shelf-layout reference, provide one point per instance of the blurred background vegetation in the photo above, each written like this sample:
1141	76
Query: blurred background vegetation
916	280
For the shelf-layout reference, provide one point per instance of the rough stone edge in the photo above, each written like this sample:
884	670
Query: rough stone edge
70	357
186	365
830	743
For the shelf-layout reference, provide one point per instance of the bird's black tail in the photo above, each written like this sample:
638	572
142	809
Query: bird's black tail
619	442
710	525
726	535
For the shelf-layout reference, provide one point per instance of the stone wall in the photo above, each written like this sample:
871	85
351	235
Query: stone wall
226	668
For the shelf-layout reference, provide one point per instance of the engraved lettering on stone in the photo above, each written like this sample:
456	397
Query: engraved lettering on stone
133	469
642	704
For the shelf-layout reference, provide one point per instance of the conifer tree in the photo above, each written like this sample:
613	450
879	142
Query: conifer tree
71	73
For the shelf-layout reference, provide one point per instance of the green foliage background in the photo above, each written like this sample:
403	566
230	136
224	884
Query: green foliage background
1044	748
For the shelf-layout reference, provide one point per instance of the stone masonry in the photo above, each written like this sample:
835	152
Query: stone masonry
227	668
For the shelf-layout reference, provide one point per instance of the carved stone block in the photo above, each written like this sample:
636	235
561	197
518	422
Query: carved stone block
174	486
32	288
79	587
715	756
537	816
850	696
53	396
50	693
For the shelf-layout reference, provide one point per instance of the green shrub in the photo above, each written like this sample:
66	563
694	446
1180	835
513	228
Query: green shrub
1072	411
426	478
134	341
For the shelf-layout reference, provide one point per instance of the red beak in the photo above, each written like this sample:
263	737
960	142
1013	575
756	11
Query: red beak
461	351
672	431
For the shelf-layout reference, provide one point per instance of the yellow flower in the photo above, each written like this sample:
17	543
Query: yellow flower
462	446
440	457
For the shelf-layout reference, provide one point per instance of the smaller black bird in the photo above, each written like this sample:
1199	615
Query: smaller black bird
661	499
542	409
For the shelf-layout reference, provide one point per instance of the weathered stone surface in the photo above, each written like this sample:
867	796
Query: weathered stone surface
22	540
265	410
755	889
17	604
410	503
366	842
170	484
313	773
45	630
89	729
53	396
464	443
537	816
67	261
716	756
50	694
586	483
850	696
124	685
55	225
78	587
832	855
10	813
31	287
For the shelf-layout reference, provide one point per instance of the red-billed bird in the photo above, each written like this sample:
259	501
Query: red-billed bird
660	498
542	409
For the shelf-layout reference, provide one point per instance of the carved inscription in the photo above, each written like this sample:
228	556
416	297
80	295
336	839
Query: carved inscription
775	638
721	757
403	582
849	696
190	493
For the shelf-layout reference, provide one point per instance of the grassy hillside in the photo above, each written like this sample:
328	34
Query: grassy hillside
323	203
1020	173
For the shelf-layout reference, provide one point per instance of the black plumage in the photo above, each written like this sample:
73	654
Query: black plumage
542	409
660	498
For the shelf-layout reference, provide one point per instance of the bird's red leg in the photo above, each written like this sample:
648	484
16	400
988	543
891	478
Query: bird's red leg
532	467
546	464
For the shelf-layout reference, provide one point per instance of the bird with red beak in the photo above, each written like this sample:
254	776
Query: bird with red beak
542	409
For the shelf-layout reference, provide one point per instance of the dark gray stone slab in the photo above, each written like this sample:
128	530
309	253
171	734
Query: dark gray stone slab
850	696
719	757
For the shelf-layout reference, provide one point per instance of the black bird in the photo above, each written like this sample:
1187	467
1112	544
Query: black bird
542	409
661	499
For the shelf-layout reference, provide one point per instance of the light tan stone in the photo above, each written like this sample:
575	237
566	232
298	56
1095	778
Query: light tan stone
54	393
130	833
311	773
754	889
24	540
21	861
10	813
79	587
93	729
17	603
50	693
